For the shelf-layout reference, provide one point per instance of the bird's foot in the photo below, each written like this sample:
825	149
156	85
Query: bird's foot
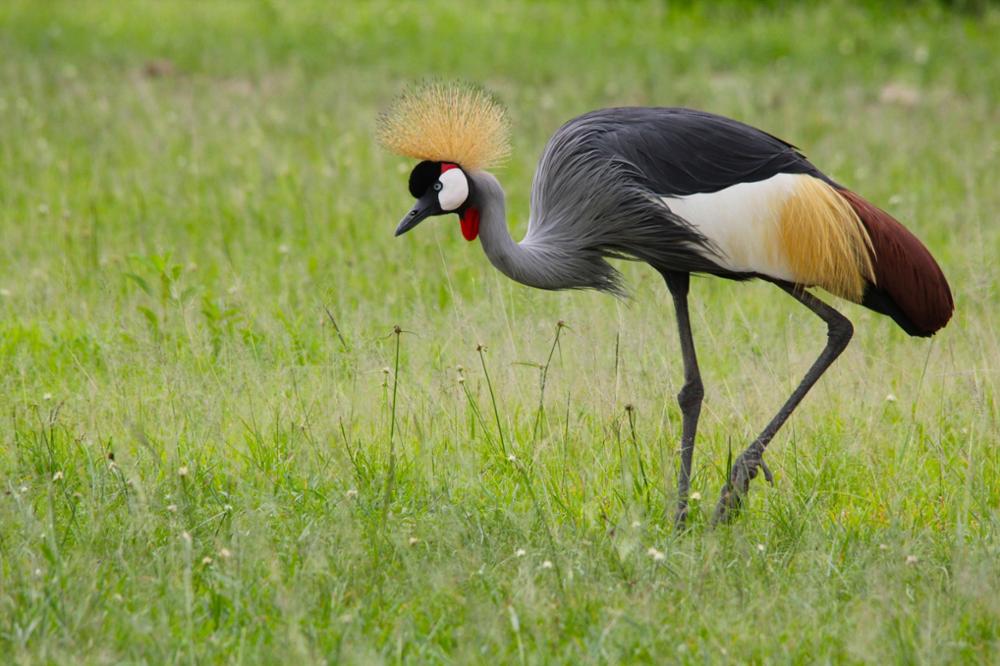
743	472
680	517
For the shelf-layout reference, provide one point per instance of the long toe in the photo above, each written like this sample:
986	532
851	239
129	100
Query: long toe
729	505
731	500
768	476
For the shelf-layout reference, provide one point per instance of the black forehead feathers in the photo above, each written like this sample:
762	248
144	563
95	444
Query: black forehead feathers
423	176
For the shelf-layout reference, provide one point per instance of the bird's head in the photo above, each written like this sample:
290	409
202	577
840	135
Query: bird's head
455	130
440	188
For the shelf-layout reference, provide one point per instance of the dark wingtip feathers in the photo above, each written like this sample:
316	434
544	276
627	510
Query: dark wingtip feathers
910	286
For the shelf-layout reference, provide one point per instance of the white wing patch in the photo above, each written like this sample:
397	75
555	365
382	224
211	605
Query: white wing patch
454	189
744	223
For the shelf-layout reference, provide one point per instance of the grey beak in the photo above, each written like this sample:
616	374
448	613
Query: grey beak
424	208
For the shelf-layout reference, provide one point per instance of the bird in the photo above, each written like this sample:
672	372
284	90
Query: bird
688	192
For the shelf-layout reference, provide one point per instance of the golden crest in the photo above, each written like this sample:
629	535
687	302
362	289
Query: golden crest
447	122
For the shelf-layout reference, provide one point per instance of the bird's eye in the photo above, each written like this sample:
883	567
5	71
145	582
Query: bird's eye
437	187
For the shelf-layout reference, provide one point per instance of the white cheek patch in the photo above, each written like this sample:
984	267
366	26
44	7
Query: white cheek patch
454	189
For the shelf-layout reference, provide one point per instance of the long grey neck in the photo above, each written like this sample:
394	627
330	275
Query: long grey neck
536	265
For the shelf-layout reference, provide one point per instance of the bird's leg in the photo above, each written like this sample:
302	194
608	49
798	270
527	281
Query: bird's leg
839	332
691	393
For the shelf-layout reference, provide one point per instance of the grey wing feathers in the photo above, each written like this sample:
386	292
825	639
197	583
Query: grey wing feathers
590	202
683	151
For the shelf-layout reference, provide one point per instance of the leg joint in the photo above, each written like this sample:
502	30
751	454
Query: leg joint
691	394
840	331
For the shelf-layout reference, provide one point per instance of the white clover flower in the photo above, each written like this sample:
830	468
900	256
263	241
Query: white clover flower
547	564
657	555
520	552
58	476
182	471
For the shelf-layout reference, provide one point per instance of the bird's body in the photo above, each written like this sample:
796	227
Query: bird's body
690	191
686	192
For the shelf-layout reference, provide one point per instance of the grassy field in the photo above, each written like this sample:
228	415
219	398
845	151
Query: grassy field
215	449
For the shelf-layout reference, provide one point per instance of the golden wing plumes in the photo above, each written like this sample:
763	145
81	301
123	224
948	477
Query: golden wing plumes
447	122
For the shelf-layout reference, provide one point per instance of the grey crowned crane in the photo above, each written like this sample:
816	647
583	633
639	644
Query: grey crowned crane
686	192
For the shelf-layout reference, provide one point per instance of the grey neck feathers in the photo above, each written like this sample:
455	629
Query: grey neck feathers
533	262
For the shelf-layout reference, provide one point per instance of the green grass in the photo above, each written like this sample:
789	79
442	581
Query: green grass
198	466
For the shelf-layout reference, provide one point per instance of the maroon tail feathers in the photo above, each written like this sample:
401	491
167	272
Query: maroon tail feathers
910	286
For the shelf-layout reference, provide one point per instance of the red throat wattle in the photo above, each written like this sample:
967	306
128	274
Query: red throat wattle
470	223
469	218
